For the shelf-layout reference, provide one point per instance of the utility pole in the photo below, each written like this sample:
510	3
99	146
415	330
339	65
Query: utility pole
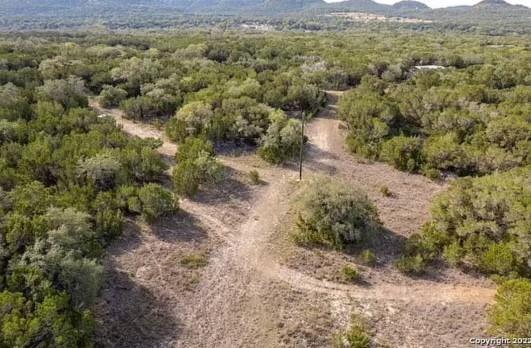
301	153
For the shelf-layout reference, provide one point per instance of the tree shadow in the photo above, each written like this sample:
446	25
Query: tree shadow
130	315
384	243
315	159
234	149
130	239
179	227
232	188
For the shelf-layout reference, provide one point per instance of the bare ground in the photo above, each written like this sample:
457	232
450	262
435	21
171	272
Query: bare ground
258	290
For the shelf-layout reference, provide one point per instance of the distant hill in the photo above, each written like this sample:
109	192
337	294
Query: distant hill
488	13
495	3
411	5
359	5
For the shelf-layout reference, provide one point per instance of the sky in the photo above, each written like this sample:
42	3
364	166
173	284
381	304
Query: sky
446	3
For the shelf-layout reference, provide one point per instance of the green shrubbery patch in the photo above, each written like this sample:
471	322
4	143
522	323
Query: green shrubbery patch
510	316
483	223
333	214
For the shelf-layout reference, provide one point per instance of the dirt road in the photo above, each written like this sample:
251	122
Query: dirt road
235	304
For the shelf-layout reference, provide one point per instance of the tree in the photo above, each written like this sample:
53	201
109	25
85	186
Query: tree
14	104
282	139
70	93
112	96
195	117
134	72
306	98
102	170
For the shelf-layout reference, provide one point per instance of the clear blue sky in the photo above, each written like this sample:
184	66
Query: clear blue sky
446	3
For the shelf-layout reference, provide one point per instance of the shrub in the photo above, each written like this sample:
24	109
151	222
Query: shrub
192	148
350	274
177	130
186	178
445	153
146	107
511	315
453	254
404	153
369	117
357	336
194	117
368	258
102	170
411	264
112	96
484	221
497	259
432	173
156	201
194	260
282	140
386	192
254	177
196	165
332	214
70	93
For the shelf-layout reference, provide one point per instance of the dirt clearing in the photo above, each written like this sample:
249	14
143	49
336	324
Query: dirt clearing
255	287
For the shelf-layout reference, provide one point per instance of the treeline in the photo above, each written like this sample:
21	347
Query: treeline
466	119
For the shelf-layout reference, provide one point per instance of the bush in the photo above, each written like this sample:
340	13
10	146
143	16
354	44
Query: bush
196	165
112	96
332	214
192	148
102	170
368	258
357	336
282	140
411	264
186	178
194	117
254	177
511	315
404	153
445	153
483	223
194	260
177	130
386	192
350	274
432	173
156	201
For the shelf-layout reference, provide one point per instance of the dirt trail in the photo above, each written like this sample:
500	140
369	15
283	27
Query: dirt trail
227	309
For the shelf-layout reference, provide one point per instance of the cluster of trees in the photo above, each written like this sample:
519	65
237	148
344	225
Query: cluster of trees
468	121
480	223
67	179
484	224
